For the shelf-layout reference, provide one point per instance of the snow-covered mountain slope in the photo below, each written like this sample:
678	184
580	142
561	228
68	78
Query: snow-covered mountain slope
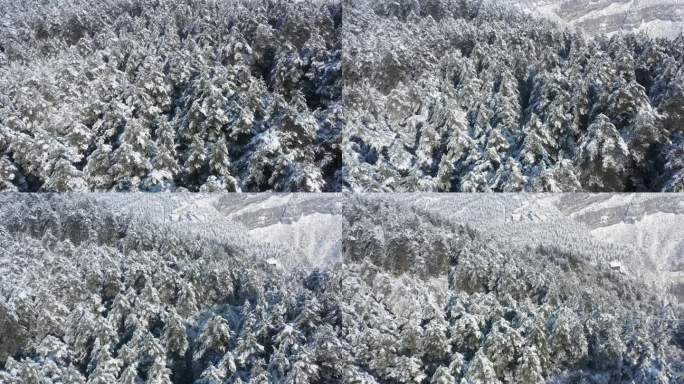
308	226
532	293
652	224
658	18
523	221
305	229
295	230
642	235
176	289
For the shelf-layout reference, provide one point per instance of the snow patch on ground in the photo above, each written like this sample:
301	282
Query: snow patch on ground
657	18
662	28
659	234
313	240
611	9
273	201
198	210
614	200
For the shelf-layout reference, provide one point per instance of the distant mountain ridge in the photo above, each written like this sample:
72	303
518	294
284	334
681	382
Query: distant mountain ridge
657	18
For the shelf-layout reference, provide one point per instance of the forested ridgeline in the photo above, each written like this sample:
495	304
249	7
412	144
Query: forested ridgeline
156	95
91	293
523	315
470	96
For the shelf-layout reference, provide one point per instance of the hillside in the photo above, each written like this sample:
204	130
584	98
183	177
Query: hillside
657	18
652	224
133	288
471	96
534	312
178	288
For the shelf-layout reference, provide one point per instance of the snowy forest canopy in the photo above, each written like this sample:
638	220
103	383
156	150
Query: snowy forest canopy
328	95
471	96
158	95
108	289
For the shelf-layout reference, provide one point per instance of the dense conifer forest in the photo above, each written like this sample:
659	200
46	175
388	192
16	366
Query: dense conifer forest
118	288
126	95
208	96
434	95
472	96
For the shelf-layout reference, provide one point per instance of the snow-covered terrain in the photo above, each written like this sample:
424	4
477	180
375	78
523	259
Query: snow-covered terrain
641	234
190	288
521	265
310	288
305	228
147	95
657	18
309	226
653	224
478	96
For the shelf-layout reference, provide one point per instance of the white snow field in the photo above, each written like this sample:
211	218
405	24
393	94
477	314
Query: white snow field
657	18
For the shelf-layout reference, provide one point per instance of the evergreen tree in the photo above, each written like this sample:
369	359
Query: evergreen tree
7	174
528	368
603	157
65	177
130	160
195	164
214	337
442	376
480	371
